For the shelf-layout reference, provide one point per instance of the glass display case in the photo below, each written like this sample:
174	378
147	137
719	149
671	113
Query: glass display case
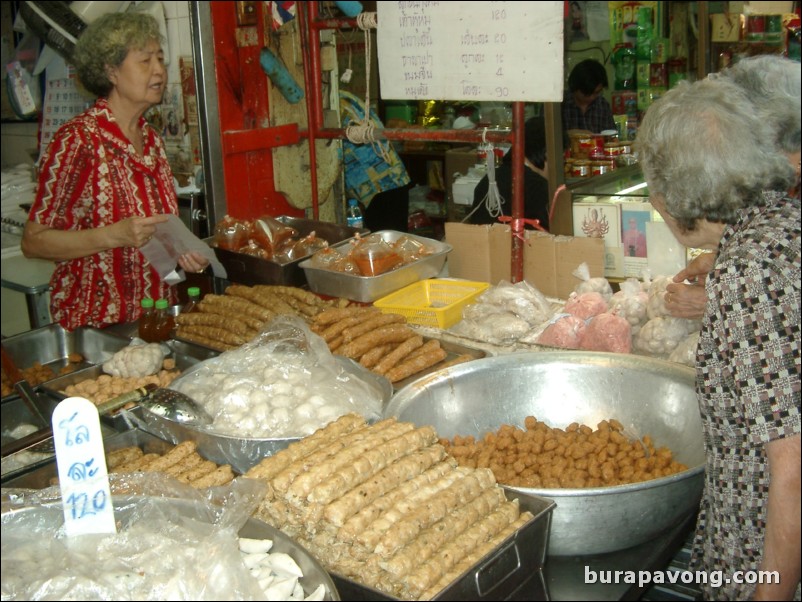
615	206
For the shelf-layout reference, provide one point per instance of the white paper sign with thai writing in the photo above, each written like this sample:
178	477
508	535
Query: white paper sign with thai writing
82	473
472	51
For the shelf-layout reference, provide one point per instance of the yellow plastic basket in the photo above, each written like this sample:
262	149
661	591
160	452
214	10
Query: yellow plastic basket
435	302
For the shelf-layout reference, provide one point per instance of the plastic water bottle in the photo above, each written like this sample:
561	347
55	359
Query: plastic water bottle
354	215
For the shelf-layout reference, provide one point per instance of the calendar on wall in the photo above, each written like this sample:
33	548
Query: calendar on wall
62	101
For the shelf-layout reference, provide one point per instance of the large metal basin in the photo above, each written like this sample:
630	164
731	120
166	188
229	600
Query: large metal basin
648	396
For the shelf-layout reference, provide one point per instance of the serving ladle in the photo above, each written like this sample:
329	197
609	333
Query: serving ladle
166	403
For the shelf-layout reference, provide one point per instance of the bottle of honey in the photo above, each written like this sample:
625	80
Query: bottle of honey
147	320
193	293
164	321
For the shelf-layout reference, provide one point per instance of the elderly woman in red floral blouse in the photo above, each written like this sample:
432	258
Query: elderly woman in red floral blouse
105	182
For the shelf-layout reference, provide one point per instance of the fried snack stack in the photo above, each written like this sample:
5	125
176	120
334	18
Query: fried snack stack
227	321
384	505
382	342
182	462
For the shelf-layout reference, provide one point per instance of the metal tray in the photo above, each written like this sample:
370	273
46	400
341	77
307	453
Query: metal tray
245	269
42	474
51	345
453	350
515	566
369	288
185	354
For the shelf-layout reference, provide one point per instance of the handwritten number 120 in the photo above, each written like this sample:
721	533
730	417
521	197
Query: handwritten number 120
80	505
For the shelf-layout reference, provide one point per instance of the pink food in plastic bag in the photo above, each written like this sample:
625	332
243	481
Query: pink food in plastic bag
585	305
567	332
608	332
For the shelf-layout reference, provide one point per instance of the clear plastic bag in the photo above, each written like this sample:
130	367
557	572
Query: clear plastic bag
283	383
174	542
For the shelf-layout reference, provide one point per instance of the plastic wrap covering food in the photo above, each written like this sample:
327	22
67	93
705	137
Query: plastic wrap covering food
565	331
607	332
504	313
631	302
291	249
588	284
232	234
585	305
254	250
685	352
165	547
660	336
410	249
284	383
269	234
332	259
656	307
374	256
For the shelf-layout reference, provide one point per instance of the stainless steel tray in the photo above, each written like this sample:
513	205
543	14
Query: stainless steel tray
245	269
514	566
453	351
42	475
369	288
185	354
51	345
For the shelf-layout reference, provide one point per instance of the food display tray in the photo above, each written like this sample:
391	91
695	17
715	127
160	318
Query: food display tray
42	475
249	270
243	453
453	351
185	354
515	565
52	344
370	288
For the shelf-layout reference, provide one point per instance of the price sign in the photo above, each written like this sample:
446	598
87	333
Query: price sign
474	51
83	476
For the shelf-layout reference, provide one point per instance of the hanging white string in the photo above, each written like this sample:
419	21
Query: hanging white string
361	132
492	201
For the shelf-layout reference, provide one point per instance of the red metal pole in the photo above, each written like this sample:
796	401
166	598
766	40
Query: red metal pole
518	158
312	81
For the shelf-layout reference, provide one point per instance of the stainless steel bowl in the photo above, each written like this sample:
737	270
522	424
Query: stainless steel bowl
648	396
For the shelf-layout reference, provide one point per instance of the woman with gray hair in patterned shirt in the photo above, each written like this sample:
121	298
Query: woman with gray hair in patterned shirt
717	176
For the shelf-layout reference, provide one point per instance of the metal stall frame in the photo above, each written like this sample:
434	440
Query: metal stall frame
213	142
311	25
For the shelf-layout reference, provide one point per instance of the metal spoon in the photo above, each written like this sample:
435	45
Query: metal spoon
176	406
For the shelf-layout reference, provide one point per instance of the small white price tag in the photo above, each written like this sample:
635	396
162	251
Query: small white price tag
82	473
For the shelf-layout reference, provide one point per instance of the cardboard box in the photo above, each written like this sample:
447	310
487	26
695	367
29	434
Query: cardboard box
457	162
484	253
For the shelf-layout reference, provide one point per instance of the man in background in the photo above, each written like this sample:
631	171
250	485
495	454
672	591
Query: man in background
584	107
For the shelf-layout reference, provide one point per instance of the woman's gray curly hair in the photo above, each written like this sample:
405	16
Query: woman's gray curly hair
106	43
703	148
774	84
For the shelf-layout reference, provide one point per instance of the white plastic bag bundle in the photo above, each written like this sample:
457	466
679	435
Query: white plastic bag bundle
631	303
588	284
685	352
